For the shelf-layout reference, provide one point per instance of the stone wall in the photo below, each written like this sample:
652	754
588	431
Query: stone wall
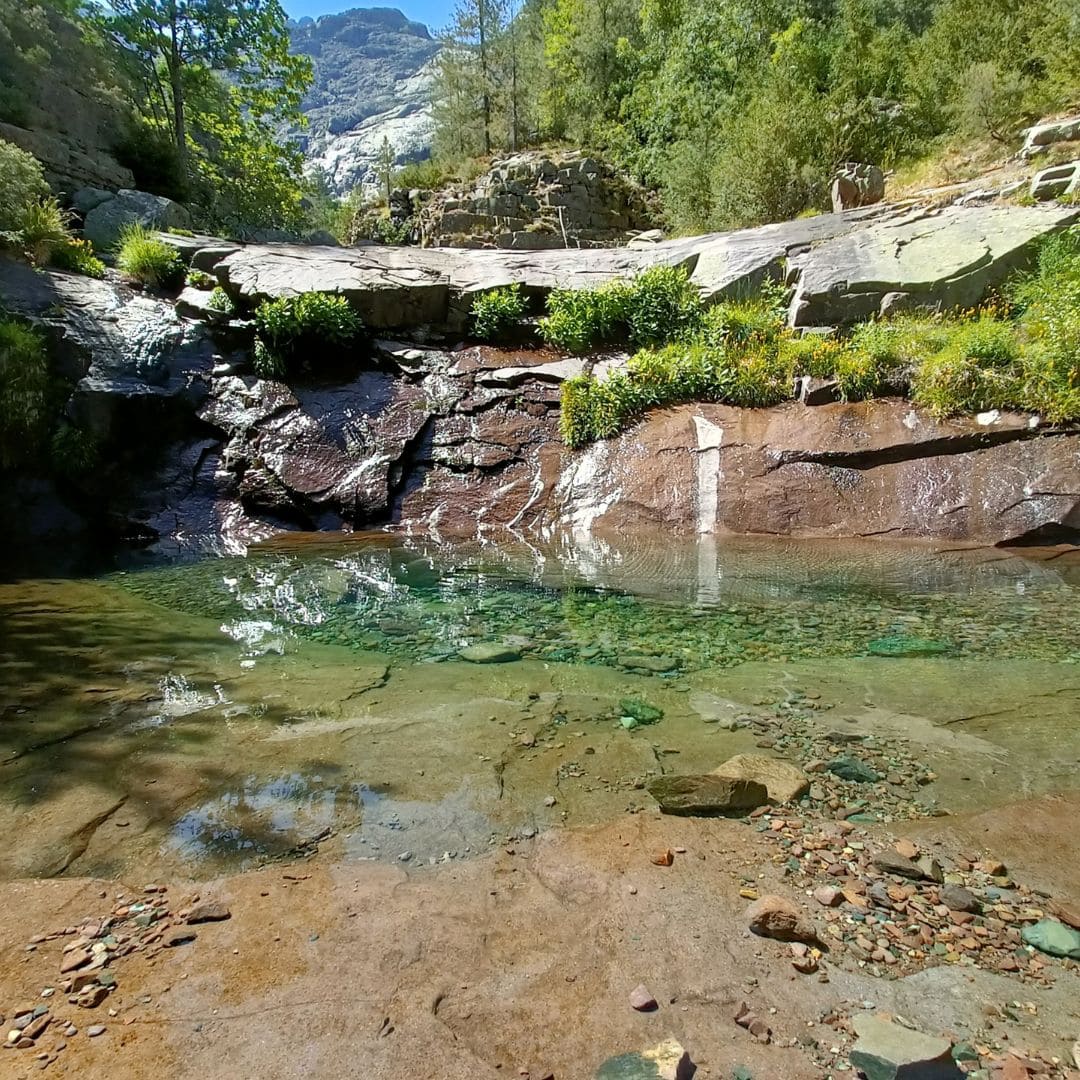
533	201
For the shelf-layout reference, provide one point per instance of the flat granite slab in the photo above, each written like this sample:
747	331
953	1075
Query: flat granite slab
845	267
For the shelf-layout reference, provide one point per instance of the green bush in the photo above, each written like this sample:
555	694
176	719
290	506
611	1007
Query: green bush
662	305
24	392
22	182
976	370
581	319
496	312
147	259
1048	307
423	175
293	329
45	227
659	305
220	301
77	256
199	280
745	320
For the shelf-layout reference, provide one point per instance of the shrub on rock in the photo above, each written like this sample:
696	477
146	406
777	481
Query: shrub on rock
496	312
294	329
77	256
45	227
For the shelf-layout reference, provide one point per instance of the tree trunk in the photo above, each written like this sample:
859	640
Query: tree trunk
485	73
177	88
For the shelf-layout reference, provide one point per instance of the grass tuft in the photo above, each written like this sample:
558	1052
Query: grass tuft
144	257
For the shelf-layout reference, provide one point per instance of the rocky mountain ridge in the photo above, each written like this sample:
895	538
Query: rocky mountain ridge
373	72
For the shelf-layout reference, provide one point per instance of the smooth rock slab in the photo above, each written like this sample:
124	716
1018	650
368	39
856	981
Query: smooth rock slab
665	1061
490	652
783	781
706	795
887	1051
930	259
1053	938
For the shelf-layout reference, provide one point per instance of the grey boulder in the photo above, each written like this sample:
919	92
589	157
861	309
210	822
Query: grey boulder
106	221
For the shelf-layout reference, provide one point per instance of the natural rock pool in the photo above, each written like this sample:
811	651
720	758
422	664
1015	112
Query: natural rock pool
418	701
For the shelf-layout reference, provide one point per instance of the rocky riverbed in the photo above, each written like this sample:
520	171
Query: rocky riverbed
430	862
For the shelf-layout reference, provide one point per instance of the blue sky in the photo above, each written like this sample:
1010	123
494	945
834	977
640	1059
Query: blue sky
436	13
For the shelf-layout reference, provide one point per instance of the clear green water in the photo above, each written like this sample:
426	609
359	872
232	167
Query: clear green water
204	717
698	607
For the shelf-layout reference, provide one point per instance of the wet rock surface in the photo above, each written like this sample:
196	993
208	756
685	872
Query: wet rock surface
879	468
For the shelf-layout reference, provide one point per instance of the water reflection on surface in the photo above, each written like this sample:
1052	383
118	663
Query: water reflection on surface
202	717
593	600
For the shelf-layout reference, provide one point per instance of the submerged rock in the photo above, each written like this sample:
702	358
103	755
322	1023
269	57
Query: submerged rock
852	769
905	646
887	1051
490	652
640	711
706	795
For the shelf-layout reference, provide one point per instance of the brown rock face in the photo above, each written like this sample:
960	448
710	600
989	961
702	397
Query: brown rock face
783	781
880	468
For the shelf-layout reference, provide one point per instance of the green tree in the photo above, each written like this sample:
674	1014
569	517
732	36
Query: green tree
384	167
468	67
173	44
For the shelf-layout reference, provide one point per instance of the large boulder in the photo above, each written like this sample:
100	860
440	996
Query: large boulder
888	1051
106	221
1056	181
857	184
784	781
931	259
1039	137
139	370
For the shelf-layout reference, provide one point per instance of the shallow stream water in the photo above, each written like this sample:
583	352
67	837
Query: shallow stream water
321	692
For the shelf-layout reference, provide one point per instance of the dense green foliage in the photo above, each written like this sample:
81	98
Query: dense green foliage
220	302
294	331
740	112
217	83
22	182
77	256
657	306
1023	354
191	95
145	258
497	311
24	392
